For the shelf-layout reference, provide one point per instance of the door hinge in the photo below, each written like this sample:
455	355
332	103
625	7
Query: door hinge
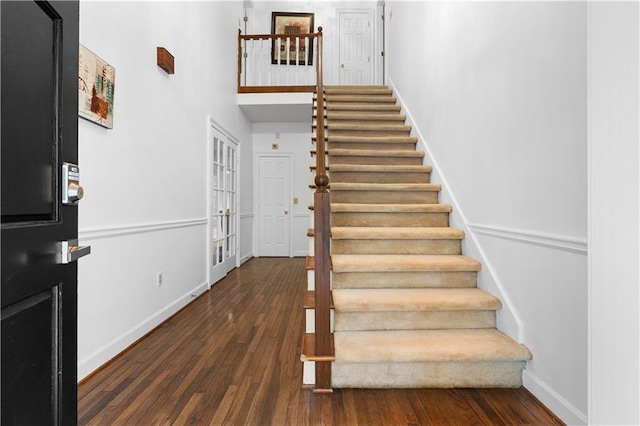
245	18
382	53
245	55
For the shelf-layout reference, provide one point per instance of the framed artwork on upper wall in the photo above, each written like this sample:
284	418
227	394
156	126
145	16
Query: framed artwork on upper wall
96	87
293	51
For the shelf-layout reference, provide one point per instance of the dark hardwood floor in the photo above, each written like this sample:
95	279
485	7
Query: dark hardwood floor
233	357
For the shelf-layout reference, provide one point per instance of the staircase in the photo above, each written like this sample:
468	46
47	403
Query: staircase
406	310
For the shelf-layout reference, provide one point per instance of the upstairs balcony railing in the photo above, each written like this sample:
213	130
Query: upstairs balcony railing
293	63
278	62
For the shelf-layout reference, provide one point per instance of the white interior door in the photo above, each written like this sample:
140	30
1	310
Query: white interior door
223	202
356	47
274	189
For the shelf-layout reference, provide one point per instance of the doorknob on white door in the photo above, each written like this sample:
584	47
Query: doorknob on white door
286	212
341	65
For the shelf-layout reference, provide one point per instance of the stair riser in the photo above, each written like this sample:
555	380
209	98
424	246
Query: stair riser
355	125
347	90
370	132
377	160
413	279
353	96
369	99
429	320
380	177
362	116
504	374
356	107
371	145
358	90
396	247
389	219
367	120
385	197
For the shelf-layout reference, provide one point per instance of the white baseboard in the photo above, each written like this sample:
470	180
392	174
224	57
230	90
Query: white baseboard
104	354
246	257
552	400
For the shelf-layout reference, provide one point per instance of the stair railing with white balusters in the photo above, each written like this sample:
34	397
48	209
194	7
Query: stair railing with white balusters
263	67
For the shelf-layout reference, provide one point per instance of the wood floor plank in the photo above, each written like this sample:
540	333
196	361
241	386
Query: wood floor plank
233	357
220	413
188	414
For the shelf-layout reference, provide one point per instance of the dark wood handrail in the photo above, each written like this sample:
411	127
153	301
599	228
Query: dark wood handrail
321	179
276	36
322	269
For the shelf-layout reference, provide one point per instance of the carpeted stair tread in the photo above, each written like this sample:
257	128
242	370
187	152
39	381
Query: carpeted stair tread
366	98
371	139
376	153
355	106
396	233
391	208
364	116
369	127
382	168
368	139
351	186
405	263
375	90
413	299
409	346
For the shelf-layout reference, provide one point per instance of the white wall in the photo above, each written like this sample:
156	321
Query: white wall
497	94
614	213
295	140
145	180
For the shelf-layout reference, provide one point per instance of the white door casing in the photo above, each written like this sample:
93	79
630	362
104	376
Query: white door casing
274	209
356	59
223	204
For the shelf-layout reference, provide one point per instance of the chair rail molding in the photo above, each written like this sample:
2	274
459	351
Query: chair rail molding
141	228
549	240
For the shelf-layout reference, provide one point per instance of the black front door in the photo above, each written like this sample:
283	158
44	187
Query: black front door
39	72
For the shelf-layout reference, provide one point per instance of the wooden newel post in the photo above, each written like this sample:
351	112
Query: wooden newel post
322	291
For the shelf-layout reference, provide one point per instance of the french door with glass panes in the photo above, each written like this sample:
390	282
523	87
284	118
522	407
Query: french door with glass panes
223	201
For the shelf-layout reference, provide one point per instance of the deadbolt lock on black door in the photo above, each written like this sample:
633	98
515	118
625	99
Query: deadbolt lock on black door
72	192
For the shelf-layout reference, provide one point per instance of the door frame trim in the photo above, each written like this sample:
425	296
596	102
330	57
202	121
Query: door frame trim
256	198
372	11
213	124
